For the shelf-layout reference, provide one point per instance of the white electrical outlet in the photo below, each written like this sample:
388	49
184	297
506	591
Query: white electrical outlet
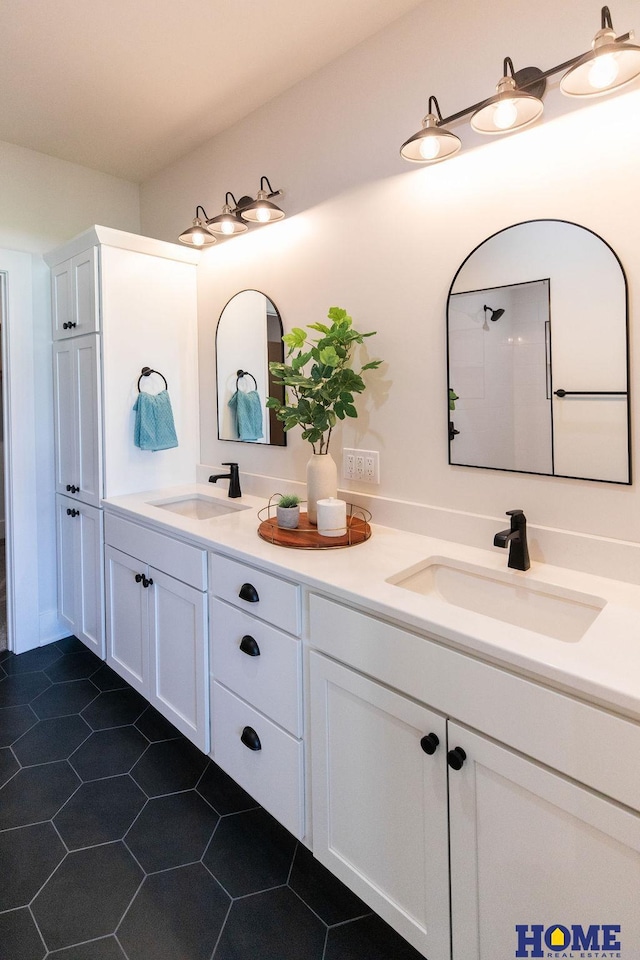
363	465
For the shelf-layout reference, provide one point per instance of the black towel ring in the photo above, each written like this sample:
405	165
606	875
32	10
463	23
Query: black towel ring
245	373
146	372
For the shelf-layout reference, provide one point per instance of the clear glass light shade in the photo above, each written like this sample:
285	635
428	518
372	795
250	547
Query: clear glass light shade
197	235
609	66
431	144
227	224
261	210
510	109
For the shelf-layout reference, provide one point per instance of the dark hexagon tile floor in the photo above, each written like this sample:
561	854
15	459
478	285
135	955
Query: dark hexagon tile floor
119	840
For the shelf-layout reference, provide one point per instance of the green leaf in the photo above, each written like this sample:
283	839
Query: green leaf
350	410
372	365
296	339
320	327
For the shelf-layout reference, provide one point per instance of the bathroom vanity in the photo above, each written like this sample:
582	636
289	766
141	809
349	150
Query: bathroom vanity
469	771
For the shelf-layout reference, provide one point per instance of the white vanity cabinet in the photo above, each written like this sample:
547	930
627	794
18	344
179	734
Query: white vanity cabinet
256	693
74	295
80	571
120	302
537	812
156	620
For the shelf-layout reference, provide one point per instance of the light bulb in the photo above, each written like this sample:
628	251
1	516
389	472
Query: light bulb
505	114
262	215
429	148
197	239
603	72
226	227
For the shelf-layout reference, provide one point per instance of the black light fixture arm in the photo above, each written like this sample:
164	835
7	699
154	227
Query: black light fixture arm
605	19
434	108
204	213
540	75
272	192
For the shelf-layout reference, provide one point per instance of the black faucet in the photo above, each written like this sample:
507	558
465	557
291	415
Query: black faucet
516	538
232	477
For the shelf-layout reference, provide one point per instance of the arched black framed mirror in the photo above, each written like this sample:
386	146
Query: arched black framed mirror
537	352
248	338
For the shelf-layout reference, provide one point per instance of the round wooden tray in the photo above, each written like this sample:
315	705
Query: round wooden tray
306	536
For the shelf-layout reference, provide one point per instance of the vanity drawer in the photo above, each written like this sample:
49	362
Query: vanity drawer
265	670
178	559
273	774
277	601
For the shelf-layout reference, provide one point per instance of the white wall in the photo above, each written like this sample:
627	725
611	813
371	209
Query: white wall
369	232
44	203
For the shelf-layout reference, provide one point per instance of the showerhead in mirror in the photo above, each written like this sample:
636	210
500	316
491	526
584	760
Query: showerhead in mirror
495	314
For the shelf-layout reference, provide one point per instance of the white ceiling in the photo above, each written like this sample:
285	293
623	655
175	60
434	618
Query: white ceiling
129	86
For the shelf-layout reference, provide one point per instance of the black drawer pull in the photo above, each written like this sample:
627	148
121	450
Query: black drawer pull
72	512
429	743
69	325
249	646
456	757
147	582
138	578
71	488
251	739
249	593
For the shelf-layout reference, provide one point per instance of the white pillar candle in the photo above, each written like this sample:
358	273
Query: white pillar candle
332	517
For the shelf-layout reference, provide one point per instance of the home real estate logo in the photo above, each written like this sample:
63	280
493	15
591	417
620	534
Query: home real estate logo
593	941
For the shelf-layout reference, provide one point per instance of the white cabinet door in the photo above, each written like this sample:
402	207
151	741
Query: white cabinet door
84	277
179	663
380	801
67	561
77	418
127	618
74	287
90	571
80	571
538	863
61	300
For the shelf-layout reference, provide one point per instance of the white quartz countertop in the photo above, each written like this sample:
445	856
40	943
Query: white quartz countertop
603	665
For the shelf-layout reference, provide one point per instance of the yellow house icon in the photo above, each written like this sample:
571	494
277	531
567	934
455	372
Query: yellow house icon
557	938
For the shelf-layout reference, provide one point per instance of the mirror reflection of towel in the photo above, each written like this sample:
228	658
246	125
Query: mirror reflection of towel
154	428
248	412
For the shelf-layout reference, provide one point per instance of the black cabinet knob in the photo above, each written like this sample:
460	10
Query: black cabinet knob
71	512
251	739
138	578
147	582
249	646
456	758
249	593
429	743
71	488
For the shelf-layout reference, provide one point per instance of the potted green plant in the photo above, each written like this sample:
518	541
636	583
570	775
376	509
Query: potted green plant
288	511
320	384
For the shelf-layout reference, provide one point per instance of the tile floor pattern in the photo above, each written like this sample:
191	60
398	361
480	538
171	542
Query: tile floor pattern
119	840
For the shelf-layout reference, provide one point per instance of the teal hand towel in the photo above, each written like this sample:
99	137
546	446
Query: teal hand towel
248	410
154	428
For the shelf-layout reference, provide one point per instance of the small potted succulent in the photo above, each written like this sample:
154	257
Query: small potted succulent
288	511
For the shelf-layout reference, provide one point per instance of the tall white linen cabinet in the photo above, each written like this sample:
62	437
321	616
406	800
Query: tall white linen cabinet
119	302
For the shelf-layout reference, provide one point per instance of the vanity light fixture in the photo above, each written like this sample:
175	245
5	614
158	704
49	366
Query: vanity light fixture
261	210
512	107
434	142
197	234
232	219
228	222
610	64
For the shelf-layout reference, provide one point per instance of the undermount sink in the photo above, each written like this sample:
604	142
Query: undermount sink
553	611
198	507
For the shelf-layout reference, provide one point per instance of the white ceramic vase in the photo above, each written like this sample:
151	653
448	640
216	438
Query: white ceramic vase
322	482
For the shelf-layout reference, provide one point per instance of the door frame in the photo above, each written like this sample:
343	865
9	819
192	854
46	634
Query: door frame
23	623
